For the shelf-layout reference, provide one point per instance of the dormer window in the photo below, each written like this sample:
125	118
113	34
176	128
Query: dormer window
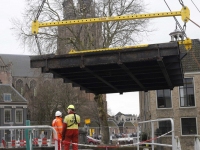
7	97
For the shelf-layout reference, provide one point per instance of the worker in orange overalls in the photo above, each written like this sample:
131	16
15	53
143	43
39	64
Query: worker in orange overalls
57	124
70	128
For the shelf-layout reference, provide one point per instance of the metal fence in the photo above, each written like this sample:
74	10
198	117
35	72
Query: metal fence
14	136
173	145
45	132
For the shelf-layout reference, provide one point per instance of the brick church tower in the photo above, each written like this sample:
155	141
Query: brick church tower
79	37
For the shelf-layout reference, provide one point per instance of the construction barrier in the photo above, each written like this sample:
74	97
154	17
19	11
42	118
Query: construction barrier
127	145
36	142
3	143
21	143
49	142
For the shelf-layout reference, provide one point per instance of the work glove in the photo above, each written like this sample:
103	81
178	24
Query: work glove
63	137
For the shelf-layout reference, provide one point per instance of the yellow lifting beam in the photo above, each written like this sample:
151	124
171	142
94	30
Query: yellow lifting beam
187	42
184	13
106	49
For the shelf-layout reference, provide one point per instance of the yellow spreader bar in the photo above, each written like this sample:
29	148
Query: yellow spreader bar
187	42
184	13
106	49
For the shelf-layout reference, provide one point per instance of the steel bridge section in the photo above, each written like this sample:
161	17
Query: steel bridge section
157	66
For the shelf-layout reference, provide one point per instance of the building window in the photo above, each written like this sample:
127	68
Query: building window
19	116
188	126
7	97
19	86
7	115
164	98
165	126
187	93
33	88
35	92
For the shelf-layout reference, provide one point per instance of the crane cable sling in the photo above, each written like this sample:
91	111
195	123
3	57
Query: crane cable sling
36	18
182	29
40	10
38	44
199	27
194	22
181	2
195	5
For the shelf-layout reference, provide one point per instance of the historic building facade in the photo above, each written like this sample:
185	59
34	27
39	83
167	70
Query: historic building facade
181	104
13	111
120	117
16	71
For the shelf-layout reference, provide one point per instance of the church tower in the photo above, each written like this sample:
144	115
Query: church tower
85	5
81	36
68	10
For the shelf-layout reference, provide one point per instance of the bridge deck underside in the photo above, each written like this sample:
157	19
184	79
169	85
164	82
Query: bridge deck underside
155	67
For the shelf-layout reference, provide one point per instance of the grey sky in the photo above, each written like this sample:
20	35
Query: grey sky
127	103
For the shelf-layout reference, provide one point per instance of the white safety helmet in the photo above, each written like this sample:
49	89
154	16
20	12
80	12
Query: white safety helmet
58	113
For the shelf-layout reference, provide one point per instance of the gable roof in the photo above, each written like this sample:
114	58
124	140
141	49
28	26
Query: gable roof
2	64
188	62
15	95
128	115
128	124
111	123
119	114
20	65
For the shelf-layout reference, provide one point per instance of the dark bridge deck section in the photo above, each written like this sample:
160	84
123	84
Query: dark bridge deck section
157	66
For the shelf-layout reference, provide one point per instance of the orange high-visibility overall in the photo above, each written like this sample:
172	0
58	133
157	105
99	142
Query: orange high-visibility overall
57	124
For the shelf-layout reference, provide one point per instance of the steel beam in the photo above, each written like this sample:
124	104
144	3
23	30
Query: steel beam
90	59
157	66
70	81
103	80
131	75
165	73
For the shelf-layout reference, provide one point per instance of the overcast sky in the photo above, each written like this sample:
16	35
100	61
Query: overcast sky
128	103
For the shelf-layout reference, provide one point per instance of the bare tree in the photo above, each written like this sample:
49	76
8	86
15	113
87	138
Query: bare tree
113	34
122	33
53	95
82	37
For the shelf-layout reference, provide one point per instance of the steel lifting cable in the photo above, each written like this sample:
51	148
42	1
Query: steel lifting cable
181	2
194	22
36	18
38	44
199	27
190	19
195	6
184	28
40	10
